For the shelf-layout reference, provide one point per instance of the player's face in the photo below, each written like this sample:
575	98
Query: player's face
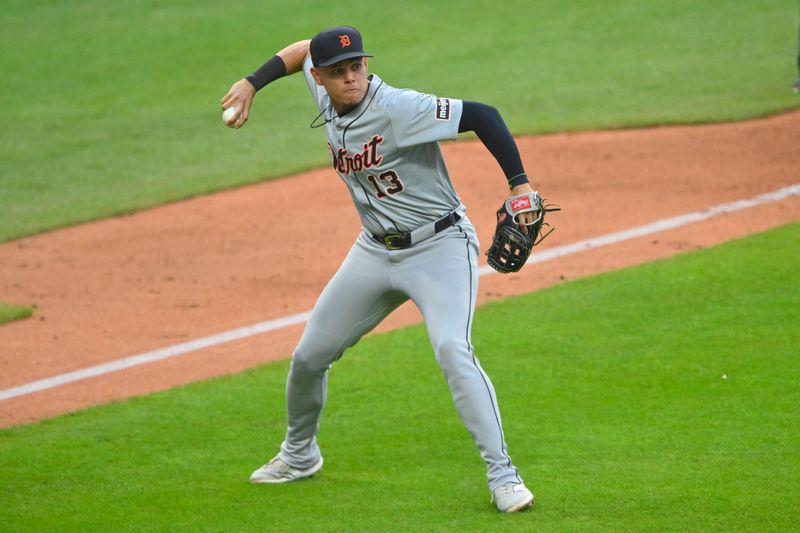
346	82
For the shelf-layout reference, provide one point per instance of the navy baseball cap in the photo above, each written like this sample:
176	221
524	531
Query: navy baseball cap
336	44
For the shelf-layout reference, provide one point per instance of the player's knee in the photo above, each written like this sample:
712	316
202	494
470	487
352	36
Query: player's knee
309	362
451	352
302	363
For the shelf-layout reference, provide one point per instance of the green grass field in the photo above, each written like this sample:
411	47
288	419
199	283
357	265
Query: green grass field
613	398
9	312
113	107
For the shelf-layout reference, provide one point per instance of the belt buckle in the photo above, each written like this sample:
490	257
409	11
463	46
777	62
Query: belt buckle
389	241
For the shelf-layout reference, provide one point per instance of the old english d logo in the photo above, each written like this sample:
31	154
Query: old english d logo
344	40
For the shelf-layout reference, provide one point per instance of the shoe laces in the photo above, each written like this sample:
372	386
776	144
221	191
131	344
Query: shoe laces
502	490
279	465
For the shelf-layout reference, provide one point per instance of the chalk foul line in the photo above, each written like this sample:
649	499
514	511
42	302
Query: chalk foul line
301	318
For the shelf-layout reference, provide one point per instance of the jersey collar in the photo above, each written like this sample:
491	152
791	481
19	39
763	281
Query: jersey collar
329	113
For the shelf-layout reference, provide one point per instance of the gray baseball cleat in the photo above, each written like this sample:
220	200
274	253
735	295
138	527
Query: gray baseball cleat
512	497
277	471
796	88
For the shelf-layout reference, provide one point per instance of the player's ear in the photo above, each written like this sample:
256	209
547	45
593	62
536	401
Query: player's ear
315	74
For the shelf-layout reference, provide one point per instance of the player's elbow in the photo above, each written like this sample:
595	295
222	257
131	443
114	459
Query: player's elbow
476	116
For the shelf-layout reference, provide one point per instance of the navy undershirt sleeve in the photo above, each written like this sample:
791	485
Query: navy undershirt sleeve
488	125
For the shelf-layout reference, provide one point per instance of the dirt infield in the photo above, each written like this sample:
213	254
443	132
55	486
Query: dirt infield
116	288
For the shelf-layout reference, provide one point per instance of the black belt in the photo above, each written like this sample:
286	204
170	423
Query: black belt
400	241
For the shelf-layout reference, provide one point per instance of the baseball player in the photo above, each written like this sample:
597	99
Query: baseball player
416	241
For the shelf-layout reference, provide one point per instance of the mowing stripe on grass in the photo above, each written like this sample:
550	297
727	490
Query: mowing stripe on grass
300	318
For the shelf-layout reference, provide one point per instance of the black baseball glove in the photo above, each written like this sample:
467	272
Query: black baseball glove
510	247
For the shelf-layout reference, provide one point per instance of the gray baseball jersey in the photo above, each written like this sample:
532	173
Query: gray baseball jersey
385	151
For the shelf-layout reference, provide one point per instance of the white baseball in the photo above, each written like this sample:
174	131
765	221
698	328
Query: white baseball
228	115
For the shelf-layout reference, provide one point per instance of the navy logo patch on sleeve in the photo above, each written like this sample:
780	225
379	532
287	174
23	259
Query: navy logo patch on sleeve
442	109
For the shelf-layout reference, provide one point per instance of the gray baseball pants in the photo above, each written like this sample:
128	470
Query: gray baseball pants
439	275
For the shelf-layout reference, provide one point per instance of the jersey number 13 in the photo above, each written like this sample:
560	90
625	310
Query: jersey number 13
386	183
